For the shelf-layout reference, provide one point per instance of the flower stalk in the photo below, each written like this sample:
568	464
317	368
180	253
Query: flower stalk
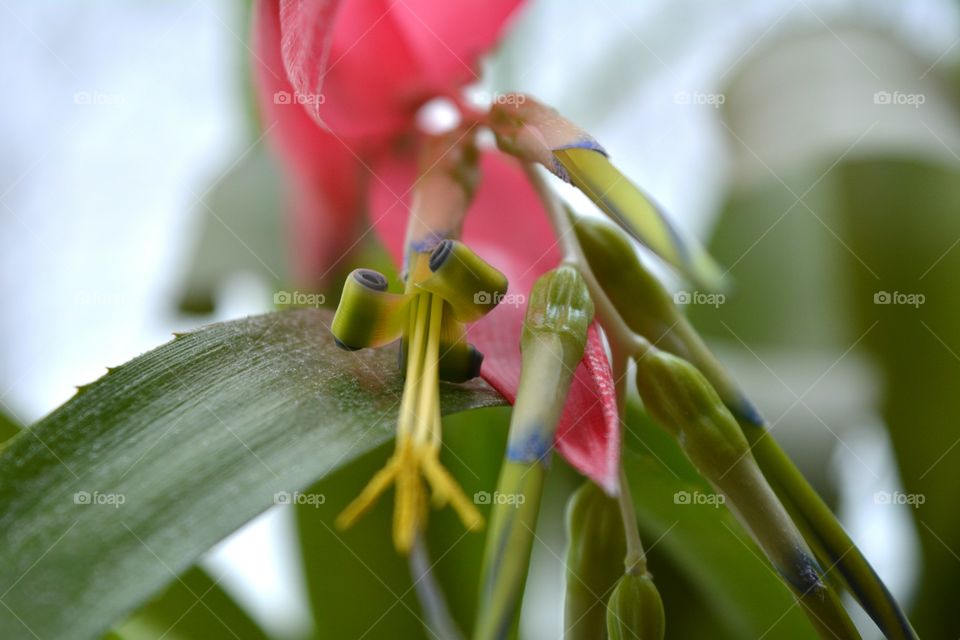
554	337
625	282
445	285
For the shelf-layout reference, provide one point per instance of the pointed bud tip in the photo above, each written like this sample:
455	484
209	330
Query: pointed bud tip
635	609
560	303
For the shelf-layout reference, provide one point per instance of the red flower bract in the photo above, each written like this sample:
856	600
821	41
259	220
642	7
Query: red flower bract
340	83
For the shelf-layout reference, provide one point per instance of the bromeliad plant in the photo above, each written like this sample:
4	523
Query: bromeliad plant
471	236
498	279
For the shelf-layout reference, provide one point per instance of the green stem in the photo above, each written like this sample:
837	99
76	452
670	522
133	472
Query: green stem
544	383
562	226
439	622
619	334
635	561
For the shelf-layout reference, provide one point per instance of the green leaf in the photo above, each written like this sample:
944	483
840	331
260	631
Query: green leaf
904	213
145	469
8	428
193	607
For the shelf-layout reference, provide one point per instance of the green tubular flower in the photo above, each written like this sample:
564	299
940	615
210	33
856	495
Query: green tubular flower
368	315
596	546
507	551
428	316
458	275
554	337
635	611
683	402
648	309
537	133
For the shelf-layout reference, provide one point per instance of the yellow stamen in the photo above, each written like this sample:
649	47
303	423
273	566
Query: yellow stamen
416	456
429	388
368	497
442	483
408	413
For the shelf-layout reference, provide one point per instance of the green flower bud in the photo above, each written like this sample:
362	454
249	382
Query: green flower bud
648	308
640	299
463	279
368	315
682	401
537	133
560	305
596	547
635	611
559	313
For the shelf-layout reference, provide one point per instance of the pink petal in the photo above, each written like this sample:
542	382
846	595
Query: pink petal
325	173
592	444
507	226
376	61
449	37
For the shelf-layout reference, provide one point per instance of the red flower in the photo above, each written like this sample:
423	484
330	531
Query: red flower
340	85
